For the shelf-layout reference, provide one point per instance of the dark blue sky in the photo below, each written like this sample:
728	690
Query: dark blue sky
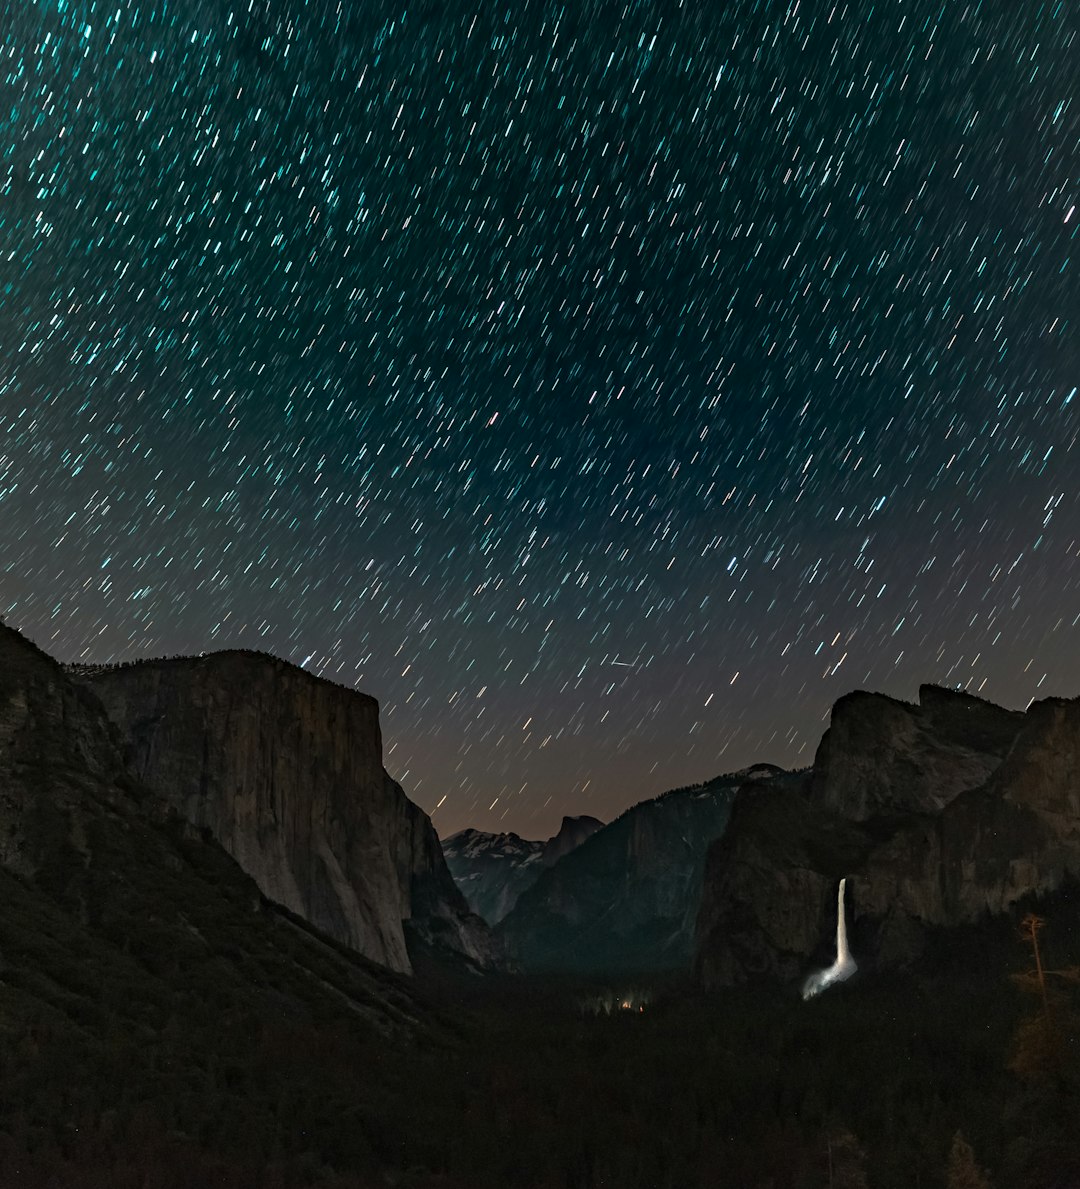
606	388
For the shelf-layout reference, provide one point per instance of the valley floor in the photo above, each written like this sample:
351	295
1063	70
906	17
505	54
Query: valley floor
520	1083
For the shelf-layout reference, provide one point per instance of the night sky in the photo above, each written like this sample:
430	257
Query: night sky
605	387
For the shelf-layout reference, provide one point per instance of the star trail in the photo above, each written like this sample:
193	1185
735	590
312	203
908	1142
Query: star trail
606	388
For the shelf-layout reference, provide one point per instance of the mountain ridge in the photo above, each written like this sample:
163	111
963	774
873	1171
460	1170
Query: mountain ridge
493	869
626	898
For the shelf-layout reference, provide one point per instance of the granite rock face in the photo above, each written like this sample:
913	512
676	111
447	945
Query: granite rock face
970	809
285	770
882	756
107	892
626	899
493	870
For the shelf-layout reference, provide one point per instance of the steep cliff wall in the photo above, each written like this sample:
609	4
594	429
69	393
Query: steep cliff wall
882	756
572	833
285	770
1015	830
121	920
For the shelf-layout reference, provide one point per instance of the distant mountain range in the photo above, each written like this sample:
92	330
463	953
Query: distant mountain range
936	812
627	898
492	870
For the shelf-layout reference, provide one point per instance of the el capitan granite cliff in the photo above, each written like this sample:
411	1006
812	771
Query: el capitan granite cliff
157	1011
285	770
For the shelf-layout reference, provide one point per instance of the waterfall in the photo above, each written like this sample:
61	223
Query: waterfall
844	966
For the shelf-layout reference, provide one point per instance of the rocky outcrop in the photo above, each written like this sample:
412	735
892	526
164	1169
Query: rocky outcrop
493	870
572	833
627	898
881	756
765	883
285	771
919	849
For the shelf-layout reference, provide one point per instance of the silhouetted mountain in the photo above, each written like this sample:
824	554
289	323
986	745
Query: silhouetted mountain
627	898
938	814
572	833
492	870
